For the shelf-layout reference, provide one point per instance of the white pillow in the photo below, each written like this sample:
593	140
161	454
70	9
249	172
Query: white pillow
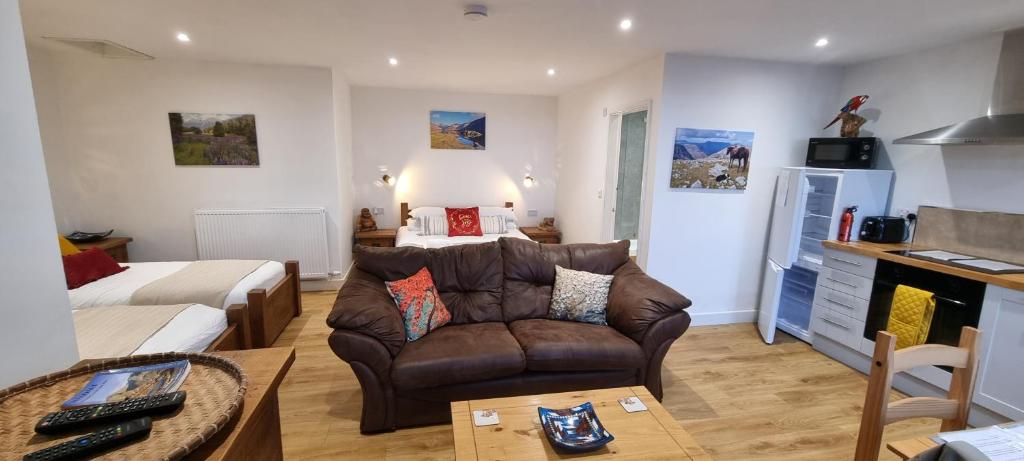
434	225
508	213
413	224
422	211
493	224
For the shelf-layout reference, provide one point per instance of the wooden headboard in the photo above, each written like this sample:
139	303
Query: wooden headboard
403	213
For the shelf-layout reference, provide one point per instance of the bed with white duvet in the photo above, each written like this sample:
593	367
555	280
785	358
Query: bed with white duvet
117	289
427	227
114	331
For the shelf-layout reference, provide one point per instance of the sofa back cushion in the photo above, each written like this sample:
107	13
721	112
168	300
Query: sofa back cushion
468	277
529	271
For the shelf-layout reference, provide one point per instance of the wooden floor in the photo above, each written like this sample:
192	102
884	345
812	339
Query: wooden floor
741	399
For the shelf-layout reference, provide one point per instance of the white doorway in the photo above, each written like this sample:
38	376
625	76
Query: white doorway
628	141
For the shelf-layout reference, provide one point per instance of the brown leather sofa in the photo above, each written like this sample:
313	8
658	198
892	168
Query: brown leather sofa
499	342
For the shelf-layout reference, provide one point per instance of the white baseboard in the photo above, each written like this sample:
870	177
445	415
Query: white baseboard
723	317
329	284
332	283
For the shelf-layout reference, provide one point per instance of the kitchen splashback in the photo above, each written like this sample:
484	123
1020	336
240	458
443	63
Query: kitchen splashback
988	234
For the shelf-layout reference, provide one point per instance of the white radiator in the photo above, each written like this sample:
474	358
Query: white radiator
276	234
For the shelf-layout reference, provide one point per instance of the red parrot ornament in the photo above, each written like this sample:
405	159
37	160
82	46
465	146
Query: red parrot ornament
851	106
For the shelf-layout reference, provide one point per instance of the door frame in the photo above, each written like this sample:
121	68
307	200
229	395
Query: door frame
612	173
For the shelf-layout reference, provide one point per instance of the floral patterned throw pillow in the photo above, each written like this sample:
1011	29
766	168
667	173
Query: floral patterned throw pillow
463	221
419	303
579	296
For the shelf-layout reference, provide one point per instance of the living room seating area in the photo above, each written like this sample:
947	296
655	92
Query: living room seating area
500	341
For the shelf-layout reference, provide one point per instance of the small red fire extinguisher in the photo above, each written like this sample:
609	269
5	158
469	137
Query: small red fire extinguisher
846	224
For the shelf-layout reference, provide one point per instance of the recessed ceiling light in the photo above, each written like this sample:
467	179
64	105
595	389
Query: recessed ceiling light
183	37
551	72
821	42
626	24
393	61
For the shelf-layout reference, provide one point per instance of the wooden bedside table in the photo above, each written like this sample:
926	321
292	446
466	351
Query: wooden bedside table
116	247
542	236
377	238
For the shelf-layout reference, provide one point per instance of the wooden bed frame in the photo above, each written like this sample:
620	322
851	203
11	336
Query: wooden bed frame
237	336
271	310
403	213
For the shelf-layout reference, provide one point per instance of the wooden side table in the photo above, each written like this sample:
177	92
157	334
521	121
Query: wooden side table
116	247
542	236
255	433
377	238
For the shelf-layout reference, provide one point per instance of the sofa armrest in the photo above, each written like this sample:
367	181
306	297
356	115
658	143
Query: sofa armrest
364	306
636	301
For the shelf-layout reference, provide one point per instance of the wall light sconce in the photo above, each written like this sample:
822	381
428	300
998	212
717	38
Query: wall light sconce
528	181
385	179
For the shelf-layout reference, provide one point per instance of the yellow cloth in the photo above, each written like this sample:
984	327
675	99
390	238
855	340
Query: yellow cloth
66	247
911	315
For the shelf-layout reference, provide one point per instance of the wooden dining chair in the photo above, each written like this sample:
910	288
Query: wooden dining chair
887	361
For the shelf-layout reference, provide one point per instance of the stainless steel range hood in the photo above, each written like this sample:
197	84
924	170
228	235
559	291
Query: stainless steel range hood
1004	123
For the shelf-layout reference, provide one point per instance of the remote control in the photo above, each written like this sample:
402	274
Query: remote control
66	420
94	442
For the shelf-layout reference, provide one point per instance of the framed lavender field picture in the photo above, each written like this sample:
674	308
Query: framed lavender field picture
214	139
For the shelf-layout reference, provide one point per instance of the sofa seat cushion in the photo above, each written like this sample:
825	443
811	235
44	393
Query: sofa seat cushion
456	354
558	345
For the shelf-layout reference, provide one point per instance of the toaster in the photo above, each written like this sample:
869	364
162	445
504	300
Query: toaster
883	229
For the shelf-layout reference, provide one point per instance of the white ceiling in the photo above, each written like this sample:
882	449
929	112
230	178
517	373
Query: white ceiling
510	51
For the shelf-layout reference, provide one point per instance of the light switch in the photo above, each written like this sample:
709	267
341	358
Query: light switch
600	194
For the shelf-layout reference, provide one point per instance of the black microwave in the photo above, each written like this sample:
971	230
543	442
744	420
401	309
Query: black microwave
847	153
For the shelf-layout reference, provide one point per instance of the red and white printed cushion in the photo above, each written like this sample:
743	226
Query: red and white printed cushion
464	221
419	303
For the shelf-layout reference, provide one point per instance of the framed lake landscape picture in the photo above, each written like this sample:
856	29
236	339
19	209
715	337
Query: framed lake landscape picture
214	139
458	130
711	159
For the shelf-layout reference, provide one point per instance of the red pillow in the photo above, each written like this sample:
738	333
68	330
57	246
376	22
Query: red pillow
419	303
89	265
464	221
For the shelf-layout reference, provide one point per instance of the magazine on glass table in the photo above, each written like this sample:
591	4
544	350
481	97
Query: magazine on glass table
118	384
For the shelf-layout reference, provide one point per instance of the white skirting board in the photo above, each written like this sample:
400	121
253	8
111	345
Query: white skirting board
723	317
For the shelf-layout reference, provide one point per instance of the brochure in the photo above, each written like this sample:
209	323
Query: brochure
999	443
119	384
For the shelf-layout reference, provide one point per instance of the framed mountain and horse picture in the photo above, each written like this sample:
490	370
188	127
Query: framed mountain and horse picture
711	159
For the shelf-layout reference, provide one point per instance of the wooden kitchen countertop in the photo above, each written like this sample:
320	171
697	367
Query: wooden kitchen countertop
878	251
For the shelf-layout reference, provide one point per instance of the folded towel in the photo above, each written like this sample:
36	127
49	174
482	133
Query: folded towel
911	315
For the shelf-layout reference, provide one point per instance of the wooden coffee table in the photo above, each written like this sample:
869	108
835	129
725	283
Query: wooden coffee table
651	434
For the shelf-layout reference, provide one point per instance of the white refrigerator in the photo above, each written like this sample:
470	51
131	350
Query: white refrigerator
809	204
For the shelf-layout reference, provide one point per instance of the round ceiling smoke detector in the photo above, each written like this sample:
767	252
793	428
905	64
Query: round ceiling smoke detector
475	12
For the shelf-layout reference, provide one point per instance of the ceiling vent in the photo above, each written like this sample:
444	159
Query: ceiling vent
475	12
105	48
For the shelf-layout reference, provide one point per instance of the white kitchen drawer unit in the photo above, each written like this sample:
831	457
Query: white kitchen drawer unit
846	282
849	262
837	327
843	303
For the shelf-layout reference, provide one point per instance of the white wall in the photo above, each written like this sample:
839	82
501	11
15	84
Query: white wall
929	89
108	146
36	332
343	146
392	127
710	245
583	145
